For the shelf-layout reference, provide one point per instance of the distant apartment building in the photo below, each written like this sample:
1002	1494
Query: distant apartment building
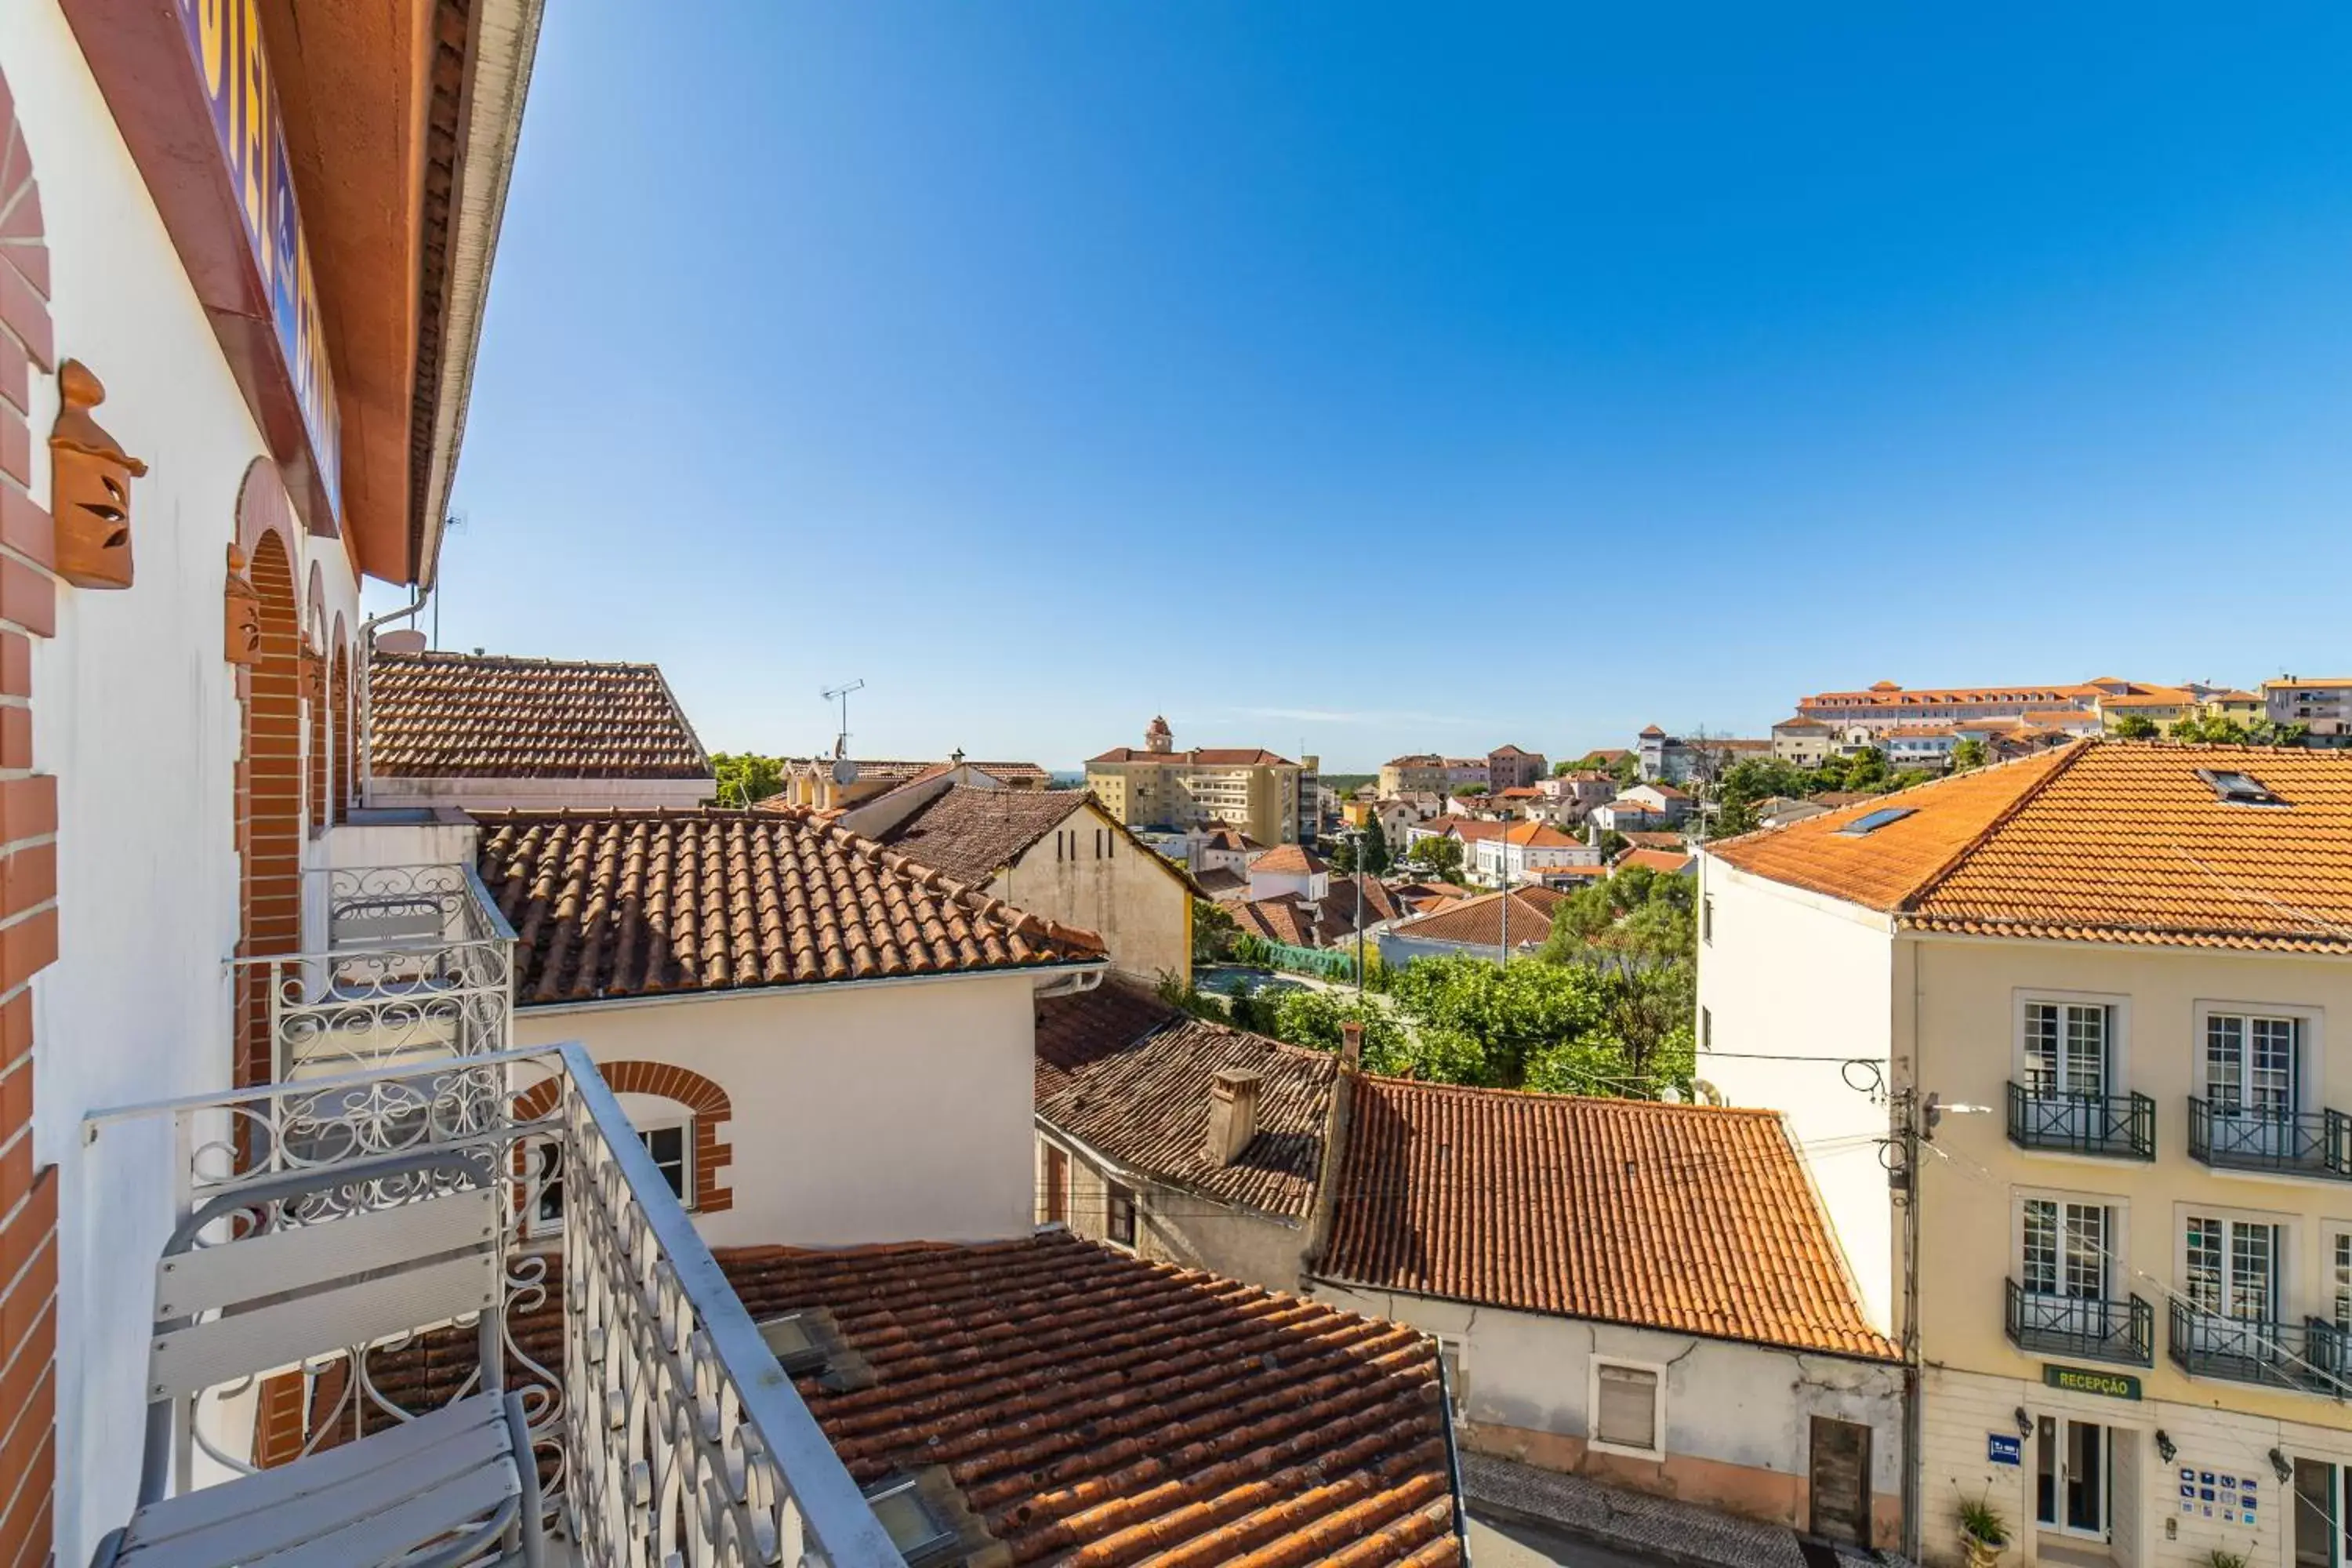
1887	703
1673	759
1919	746
1426	773
2322	705
2107	975
1509	767
1268	797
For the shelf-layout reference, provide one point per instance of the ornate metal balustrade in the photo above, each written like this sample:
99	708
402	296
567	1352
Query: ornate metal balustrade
668	1434
418	963
2243	1138
2122	1125
2309	1356
2092	1328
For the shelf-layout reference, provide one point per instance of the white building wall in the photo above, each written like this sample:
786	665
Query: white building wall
1736	1415
542	794
1792	986
875	1112
136	716
1103	882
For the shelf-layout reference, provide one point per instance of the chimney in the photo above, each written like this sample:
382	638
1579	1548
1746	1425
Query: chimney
1352	1046
1233	1112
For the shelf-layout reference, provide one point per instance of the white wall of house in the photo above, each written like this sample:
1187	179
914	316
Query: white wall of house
542	794
875	1112
1087	873
1736	1415
1311	886
1784	973
135	714
1173	1225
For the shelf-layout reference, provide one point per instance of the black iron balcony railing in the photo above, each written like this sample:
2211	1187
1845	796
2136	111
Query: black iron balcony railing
2294	1142
2310	1357
2093	1330
2121	1125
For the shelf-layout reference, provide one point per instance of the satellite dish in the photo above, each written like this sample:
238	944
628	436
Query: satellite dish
845	772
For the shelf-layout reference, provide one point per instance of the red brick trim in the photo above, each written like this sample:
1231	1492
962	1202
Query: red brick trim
338	727
29	874
708	1101
270	788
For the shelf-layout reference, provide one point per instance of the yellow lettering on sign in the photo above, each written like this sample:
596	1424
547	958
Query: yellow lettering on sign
208	28
255	140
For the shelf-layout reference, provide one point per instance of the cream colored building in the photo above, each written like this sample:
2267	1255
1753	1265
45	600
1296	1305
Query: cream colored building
1269	798
2117	981
2321	704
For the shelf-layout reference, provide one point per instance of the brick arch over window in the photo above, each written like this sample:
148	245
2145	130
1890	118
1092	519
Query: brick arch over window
705	1099
321	741
29	850
269	780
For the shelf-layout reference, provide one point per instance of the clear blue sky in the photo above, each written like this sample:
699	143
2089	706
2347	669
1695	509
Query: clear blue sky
1362	378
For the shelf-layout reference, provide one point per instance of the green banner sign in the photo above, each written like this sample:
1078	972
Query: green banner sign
2079	1380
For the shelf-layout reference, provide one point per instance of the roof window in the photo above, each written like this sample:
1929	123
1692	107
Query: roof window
916	1527
1865	825
795	1347
2239	789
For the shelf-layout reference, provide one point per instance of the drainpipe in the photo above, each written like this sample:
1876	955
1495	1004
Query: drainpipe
367	663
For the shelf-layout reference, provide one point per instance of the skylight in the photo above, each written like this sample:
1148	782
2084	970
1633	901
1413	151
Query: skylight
1865	825
2239	789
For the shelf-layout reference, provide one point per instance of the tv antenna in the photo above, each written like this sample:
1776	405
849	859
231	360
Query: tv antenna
845	772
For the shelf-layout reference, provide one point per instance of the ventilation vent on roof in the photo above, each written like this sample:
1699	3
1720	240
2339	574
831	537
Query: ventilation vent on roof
1864	826
2239	789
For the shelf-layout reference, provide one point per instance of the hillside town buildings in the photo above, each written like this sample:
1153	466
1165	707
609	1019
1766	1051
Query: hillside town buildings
1266	797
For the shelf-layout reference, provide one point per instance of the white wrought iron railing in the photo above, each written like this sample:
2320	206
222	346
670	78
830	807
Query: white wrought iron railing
417	964
663	1426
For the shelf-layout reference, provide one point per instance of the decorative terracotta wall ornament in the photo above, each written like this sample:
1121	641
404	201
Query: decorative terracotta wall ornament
244	613
90	490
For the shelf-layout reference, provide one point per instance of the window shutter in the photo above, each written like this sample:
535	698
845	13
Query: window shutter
1628	1415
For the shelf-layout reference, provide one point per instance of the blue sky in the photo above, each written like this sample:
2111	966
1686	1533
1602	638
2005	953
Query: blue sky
1357	378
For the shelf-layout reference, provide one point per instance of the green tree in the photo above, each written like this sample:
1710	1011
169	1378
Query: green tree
1627	770
1479	1022
1438	856
1342	855
1462	790
1635	919
1213	931
1375	856
1312	1017
745	776
2134	727
1968	754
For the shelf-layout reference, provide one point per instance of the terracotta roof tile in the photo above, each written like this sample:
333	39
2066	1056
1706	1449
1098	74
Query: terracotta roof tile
1295	859
969	833
640	903
1478	921
1199	756
1653	838
453	715
2097	841
1288	917
1673	862
1093	1410
1123	1072
1675	1216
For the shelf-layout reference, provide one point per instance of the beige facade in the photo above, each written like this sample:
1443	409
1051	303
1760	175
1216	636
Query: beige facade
1091	875
1268	797
2089	1292
1104	1202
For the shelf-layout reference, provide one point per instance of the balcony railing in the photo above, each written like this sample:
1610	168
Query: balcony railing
2240	1138
2310	1357
670	1434
2123	1126
418	964
2094	1330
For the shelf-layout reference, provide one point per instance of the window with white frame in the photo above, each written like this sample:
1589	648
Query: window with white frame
1628	1408
2063	1248
670	1144
1121	1214
2067	1048
2230	1267
2339	1280
2253	1062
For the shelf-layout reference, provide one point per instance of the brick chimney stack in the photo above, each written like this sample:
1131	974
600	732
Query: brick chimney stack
1351	1048
1233	1112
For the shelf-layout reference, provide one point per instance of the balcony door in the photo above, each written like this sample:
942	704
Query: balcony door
2231	1271
2064	1267
2251	1063
2069	1050
2072	1476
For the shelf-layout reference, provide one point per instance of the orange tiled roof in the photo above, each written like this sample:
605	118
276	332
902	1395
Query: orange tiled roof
1478	921
642	903
1671	862
455	715
1653	838
1674	1216
1199	756
1288	918
1090	1407
2097	841
1294	859
1123	1072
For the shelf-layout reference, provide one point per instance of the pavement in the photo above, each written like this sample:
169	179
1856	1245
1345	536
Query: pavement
1535	1516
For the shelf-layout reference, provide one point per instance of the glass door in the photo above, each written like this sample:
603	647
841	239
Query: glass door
2070	1478
2065	1266
2323	1533
2251	1083
2232	1274
2066	1066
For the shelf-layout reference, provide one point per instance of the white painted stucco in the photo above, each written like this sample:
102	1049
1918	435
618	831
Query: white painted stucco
1792	986
135	714
542	794
870	1112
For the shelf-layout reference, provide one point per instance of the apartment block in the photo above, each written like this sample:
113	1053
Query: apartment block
1268	797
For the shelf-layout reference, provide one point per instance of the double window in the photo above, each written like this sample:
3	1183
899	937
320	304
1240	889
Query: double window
2068	1049
2065	1249
2230	1267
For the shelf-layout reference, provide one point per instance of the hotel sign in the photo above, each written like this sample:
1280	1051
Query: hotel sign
2080	1380
224	39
